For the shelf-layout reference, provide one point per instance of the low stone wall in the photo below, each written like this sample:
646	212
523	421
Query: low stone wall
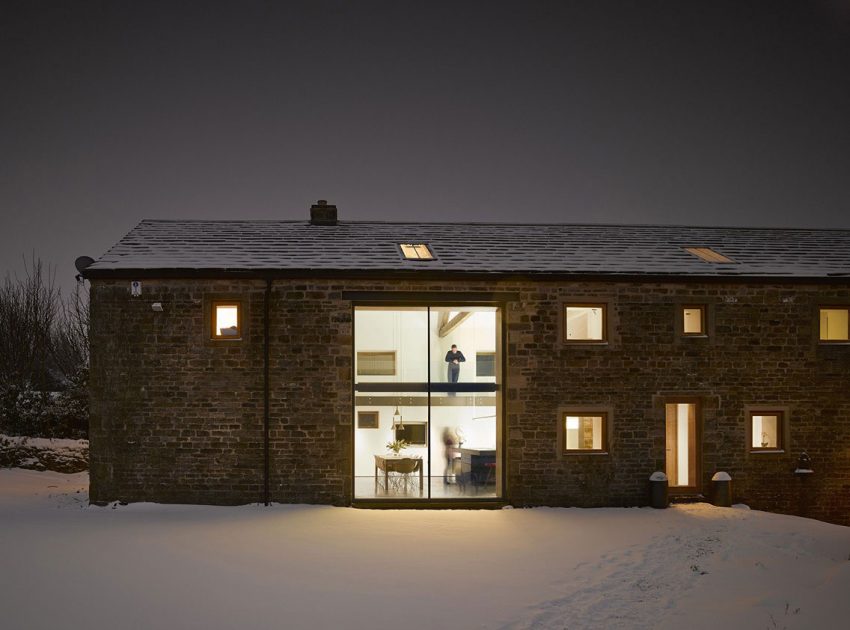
65	456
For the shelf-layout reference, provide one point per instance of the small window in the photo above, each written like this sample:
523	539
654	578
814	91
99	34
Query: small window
834	324
416	251
485	364
368	420
585	322
693	320
708	255
767	430
585	432
376	363
226	321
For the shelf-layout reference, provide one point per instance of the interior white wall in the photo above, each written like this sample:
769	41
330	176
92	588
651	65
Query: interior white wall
765	428
682	443
584	323
400	330
477	424
371	442
476	334
573	427
408	332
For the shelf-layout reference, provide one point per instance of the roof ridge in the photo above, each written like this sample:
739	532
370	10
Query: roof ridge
508	224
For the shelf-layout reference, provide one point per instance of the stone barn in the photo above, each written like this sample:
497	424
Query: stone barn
435	364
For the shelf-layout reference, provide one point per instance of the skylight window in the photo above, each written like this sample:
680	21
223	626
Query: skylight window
708	255
416	251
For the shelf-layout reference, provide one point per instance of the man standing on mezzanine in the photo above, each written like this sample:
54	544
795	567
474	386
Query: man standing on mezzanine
454	358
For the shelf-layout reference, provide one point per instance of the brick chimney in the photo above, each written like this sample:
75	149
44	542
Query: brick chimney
322	214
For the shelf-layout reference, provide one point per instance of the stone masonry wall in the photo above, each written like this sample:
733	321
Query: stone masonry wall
176	417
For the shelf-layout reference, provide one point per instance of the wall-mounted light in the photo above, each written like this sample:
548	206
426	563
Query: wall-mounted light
157	307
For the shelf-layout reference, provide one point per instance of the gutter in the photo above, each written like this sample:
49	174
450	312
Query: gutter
266	389
436	274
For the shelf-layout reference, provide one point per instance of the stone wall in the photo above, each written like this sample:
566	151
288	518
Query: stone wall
176	417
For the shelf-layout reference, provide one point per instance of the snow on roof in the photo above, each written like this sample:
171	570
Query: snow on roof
562	249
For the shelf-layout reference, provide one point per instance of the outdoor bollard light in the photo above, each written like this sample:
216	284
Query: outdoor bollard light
722	482
658	490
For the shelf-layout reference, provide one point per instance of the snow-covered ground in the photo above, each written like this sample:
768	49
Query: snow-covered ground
66	565
68	456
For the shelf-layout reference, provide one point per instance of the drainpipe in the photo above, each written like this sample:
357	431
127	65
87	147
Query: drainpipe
266	312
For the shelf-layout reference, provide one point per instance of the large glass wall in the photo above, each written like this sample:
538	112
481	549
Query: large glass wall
427	412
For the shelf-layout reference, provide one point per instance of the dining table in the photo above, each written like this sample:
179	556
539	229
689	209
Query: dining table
392	463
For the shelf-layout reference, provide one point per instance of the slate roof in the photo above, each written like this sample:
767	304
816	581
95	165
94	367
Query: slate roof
355	247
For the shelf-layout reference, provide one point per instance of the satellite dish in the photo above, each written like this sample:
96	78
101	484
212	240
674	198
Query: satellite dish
82	262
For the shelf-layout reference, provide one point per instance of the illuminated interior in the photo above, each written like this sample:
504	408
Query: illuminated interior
766	431
693	320
585	432
585	323
681	465
226	321
416	251
452	428
834	324
708	255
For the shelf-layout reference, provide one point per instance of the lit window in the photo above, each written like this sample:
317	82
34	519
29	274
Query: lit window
834	324
226	320
376	363
708	255
766	430
585	431
585	322
693	320
416	251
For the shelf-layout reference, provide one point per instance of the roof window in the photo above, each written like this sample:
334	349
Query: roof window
416	251
708	255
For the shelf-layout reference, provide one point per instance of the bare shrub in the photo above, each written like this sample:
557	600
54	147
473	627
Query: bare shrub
43	356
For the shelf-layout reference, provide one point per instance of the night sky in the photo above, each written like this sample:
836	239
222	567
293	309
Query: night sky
707	113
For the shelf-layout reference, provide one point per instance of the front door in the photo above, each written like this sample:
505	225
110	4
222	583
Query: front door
683	446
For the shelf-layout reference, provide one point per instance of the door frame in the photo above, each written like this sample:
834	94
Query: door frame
697	403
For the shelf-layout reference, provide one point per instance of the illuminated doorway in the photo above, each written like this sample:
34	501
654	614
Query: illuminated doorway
683	446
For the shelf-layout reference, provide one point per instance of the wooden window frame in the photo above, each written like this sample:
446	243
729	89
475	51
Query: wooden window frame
214	305
369	414
831	307
375	352
427	246
703	318
587	414
781	429
603	305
